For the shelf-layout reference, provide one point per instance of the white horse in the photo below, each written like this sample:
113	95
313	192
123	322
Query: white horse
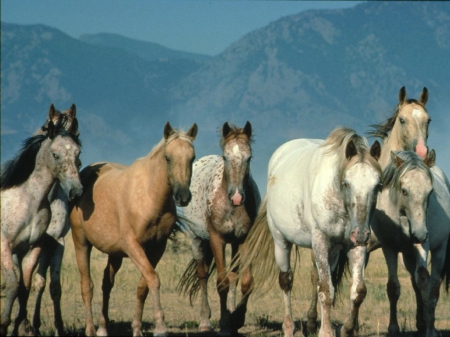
320	195
26	182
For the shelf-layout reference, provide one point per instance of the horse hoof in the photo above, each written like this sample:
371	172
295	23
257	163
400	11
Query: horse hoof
205	327
102	332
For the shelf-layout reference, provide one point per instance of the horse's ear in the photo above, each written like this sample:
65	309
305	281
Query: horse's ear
402	95
350	150
396	160
51	112
430	159
192	133
424	96
248	129
375	150
51	130
73	110
225	130
168	130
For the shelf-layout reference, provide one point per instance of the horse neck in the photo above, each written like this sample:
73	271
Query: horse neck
154	166
42	178
390	143
387	205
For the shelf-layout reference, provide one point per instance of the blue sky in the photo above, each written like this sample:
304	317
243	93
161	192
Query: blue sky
205	27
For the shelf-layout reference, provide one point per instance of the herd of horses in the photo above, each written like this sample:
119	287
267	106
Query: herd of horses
339	197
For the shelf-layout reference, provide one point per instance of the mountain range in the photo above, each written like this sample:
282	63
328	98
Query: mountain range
298	77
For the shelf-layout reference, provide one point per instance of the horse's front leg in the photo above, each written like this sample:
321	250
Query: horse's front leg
321	248
22	325
358	290
238	313
146	262
9	284
393	289
311	324
109	274
285	280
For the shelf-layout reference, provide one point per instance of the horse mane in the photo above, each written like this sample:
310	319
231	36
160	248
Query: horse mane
382	130
392	174
336	144
234	133
17	170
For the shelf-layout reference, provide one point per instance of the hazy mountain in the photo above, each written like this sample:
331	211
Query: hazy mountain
147	50
300	76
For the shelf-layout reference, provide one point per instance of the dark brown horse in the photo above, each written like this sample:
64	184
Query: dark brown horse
131	212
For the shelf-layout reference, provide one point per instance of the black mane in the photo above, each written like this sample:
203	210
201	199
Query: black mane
16	171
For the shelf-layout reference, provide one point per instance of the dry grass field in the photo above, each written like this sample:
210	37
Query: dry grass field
265	312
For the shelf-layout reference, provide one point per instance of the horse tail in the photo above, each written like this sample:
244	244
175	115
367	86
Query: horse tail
338	272
189	283
257	252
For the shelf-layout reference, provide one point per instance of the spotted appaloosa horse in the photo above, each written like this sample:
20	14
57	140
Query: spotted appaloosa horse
225	200
320	195
131	212
26	182
50	252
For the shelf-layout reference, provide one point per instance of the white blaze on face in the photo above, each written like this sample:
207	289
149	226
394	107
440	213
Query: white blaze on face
421	149
236	149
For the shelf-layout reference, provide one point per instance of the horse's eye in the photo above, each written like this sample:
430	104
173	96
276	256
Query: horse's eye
404	192
167	159
55	156
402	121
345	184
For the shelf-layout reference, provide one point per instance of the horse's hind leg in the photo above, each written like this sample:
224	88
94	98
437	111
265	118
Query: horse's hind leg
10	284
358	290
113	266
203	256
311	324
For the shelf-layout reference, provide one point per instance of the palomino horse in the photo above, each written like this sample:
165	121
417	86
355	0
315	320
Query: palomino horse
131	212
407	129
25	187
225	200
50	251
320	195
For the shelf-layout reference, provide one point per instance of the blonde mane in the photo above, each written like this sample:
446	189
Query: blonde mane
336	144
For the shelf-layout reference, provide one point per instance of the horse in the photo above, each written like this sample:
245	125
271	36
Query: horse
130	211
51	251
411	208
406	129
320	195
224	205
26	182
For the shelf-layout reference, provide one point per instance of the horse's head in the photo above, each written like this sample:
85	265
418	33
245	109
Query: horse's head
360	184
179	155
237	153
63	159
410	184
410	127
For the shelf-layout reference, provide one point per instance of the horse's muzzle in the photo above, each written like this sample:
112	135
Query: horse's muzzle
182	197
360	238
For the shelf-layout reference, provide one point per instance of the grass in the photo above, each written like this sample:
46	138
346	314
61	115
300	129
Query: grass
265	311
